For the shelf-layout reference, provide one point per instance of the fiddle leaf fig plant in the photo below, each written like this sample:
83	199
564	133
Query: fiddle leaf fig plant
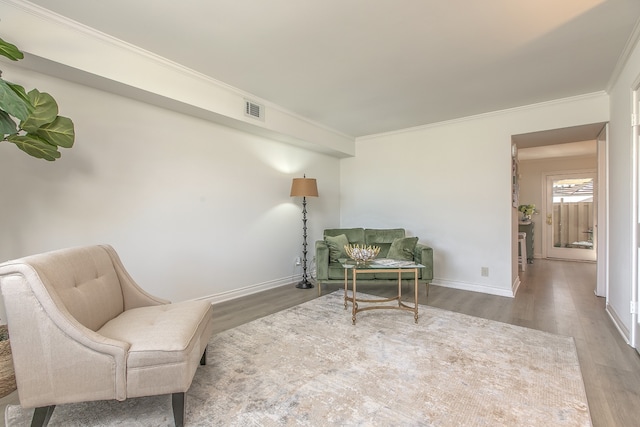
30	120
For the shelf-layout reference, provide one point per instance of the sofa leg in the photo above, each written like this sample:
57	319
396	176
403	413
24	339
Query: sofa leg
177	402
42	415
203	359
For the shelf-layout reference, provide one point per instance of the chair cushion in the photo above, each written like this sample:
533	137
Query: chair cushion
85	280
160	334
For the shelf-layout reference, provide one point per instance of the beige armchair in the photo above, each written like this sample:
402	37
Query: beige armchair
82	330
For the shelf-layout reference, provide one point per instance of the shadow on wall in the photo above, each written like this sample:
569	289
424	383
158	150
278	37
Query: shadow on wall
33	188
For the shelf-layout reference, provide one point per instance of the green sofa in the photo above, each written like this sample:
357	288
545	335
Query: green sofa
329	269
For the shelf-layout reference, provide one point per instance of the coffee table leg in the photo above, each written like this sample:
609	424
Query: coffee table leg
415	296
345	288
354	309
399	288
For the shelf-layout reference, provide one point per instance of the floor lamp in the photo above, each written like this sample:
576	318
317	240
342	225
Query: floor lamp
304	187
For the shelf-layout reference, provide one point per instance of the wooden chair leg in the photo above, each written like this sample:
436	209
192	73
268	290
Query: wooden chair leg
177	402
203	359
42	415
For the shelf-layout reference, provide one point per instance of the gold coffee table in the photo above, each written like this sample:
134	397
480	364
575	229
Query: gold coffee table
380	266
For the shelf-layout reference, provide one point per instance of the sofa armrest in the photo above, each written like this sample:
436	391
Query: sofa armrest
423	254
322	260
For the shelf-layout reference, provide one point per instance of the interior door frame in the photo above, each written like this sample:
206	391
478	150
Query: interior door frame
548	210
602	227
635	208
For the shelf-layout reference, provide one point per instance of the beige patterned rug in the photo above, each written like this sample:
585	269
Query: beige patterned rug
310	366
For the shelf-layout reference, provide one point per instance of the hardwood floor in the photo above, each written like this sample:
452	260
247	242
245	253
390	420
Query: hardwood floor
555	296
558	297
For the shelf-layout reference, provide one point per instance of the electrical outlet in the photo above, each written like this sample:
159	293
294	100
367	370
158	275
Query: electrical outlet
484	271
298	262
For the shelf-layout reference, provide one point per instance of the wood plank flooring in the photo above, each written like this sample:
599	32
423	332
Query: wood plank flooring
555	296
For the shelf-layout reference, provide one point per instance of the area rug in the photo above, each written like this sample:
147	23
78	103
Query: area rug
309	366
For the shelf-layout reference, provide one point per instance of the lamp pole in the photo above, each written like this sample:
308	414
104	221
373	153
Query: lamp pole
304	187
304	283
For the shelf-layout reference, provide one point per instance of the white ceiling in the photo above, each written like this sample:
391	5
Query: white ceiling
370	66
570	149
564	142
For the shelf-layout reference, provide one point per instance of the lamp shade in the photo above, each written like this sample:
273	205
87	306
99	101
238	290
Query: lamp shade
304	187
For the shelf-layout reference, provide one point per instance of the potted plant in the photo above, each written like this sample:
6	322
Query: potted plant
30	120
527	211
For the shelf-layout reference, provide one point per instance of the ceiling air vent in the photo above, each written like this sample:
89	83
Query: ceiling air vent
254	110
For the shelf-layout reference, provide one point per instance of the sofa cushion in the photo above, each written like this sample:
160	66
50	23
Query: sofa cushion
336	246
374	236
384	249
406	275
161	334
336	272
402	249
354	235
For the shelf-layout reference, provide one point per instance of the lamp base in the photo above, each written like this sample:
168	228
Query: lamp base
304	284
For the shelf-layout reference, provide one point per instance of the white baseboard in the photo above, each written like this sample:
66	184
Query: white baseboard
515	285
474	287
617	322
290	280
248	290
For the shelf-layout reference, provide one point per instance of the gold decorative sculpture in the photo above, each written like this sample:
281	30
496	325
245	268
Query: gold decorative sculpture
362	254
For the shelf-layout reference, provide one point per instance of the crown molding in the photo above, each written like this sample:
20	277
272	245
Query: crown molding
495	113
629	47
177	87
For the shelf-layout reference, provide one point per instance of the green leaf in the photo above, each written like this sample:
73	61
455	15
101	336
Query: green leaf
7	125
19	90
10	51
45	110
14	101
60	132
34	146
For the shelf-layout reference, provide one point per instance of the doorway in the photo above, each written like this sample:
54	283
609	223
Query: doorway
570	216
580	148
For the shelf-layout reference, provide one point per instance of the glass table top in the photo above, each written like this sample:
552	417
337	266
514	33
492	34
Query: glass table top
380	263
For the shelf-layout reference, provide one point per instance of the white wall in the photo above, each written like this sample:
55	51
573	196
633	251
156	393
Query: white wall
621	249
450	185
193	208
66	49
177	196
532	190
